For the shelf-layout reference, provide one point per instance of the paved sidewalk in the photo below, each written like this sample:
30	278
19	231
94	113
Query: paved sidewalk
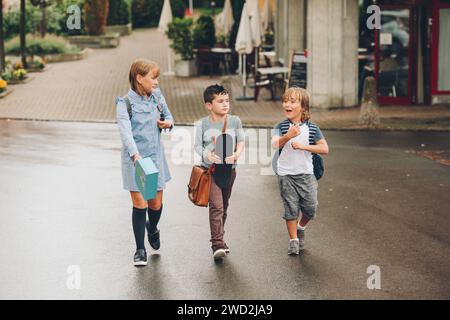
85	91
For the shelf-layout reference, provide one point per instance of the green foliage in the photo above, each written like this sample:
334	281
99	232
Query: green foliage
38	46
181	34
56	19
146	13
61	8
204	32
119	12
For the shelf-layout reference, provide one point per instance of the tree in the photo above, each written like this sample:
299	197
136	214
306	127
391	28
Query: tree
2	43
22	33
42	4
96	12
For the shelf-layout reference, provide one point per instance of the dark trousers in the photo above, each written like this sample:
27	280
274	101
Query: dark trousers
218	205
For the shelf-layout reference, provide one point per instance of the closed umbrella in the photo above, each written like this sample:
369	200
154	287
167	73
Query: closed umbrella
267	16
244	46
164	20
257	32
252	6
225	19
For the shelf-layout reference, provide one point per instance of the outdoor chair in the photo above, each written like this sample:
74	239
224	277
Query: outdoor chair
205	59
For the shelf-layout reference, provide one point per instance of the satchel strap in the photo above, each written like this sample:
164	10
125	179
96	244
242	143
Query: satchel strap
225	125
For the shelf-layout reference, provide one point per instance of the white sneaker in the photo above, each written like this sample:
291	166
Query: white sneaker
219	253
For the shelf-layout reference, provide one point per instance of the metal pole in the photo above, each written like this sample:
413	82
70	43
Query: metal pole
2	44
22	33
191	6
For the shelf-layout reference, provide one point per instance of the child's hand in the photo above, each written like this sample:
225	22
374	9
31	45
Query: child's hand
213	158
297	146
136	157
293	131
166	124
231	159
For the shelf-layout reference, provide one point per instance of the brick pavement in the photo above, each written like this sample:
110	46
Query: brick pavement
85	90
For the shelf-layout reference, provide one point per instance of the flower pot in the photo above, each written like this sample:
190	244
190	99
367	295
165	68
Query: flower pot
185	68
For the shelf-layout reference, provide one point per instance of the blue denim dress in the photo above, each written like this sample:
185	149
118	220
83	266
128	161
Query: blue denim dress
141	134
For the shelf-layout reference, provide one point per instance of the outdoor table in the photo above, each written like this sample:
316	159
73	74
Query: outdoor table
224	57
272	73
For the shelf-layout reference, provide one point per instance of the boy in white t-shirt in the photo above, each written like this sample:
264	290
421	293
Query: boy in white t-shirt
297	139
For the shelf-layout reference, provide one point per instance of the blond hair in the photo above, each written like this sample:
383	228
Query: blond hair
142	67
299	95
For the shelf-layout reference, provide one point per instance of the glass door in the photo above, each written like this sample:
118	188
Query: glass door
394	56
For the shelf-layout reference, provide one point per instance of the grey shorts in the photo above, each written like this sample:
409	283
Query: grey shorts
299	194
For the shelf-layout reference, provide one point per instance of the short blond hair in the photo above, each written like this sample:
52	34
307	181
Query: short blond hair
142	67
299	95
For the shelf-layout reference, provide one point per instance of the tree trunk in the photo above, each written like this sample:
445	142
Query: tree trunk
22	33
2	44
43	24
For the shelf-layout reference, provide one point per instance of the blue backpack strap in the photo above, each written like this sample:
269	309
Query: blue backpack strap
312	133
128	103
317	159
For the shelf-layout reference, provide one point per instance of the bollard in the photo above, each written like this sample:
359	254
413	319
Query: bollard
369	114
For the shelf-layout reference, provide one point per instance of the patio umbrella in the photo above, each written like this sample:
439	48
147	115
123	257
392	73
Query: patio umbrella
164	20
267	15
166	17
252	6
257	32
225	19
244	46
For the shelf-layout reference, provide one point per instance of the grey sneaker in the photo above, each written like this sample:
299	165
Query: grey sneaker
294	248
301	238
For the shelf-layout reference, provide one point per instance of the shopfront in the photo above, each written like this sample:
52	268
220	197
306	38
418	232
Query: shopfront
412	52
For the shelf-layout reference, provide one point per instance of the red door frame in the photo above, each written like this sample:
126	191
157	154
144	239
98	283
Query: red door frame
412	58
435	48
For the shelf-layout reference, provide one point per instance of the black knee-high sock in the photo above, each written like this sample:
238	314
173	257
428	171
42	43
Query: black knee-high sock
139	227
153	218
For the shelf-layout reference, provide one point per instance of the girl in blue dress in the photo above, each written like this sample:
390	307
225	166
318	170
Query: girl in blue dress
140	132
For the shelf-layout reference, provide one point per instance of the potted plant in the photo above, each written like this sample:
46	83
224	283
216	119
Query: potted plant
182	42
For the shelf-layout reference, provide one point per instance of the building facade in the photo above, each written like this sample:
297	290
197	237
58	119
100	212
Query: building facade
409	54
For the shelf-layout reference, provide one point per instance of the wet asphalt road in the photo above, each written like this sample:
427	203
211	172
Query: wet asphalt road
62	205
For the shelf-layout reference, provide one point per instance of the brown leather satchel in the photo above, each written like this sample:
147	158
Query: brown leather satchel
199	186
200	182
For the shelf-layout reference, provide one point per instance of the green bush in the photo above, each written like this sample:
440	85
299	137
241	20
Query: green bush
39	46
204	32
146	13
11	21
119	12
180	32
56	19
61	8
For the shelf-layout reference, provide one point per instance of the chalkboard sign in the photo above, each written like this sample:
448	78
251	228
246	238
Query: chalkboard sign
298	70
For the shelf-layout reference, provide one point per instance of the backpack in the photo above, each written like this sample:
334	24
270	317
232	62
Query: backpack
317	160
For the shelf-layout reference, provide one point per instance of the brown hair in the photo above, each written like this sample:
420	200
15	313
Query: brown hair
299	95
142	67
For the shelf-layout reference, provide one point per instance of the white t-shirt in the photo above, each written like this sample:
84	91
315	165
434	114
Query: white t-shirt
291	161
